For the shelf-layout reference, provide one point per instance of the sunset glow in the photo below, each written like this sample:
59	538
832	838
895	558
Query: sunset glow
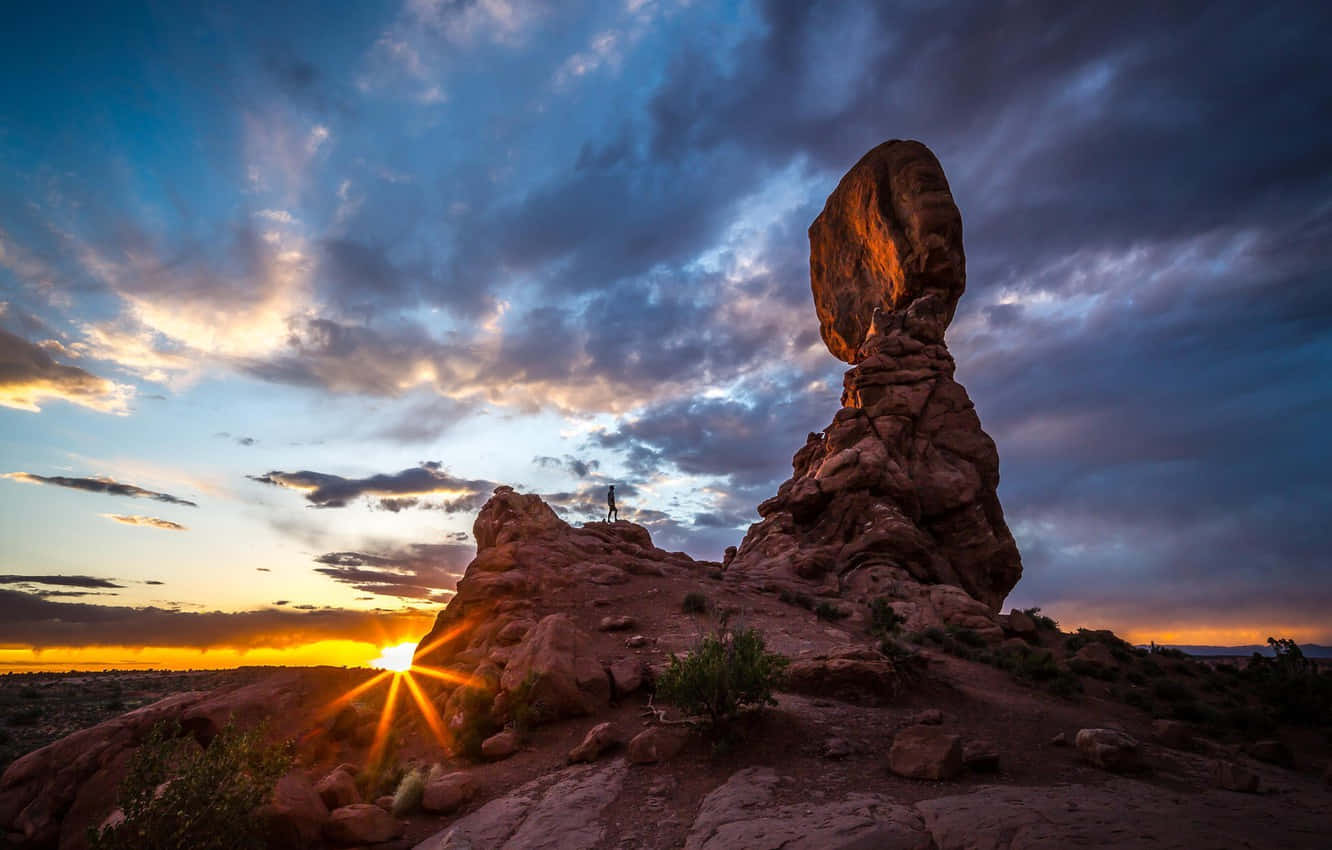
396	658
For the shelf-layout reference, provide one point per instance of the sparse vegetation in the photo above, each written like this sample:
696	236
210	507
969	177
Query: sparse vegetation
726	673
1042	621
410	791
796	598
525	711
478	723
695	603
828	611
177	794
884	619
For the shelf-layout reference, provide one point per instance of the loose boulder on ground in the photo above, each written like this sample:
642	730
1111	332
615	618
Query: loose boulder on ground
1109	749
361	823
448	792
500	746
598	740
338	789
656	744
925	752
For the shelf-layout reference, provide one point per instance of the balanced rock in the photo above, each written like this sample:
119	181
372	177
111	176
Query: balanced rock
899	492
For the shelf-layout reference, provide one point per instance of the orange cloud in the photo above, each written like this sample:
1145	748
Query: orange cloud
29	377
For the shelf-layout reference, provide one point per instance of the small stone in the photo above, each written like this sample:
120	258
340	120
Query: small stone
1234	777
1271	751
447	793
616	624
929	717
1172	734
980	756
598	739
837	748
925	752
500	746
656	744
361	823
627	674
636	642
338	789
1109	749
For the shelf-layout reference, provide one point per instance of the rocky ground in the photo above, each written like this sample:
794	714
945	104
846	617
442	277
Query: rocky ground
912	715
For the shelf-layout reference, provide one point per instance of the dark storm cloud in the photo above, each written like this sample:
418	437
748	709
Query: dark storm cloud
29	621
427	571
98	485
393	492
61	581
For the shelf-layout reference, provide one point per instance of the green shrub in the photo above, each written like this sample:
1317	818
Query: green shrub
1171	691
829	611
410	791
1091	668
966	637
695	603
883	618
1290	686
1138	699
208	795
525	710
725	673
478	723
795	598
1042	621
1065	684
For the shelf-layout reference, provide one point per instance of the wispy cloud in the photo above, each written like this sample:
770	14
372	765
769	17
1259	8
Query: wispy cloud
98	485
61	581
146	521
417	571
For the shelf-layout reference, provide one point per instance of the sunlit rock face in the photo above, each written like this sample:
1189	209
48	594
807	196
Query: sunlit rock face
896	497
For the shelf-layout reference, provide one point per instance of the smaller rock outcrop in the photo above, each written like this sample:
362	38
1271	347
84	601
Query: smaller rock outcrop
447	792
361	823
1109	749
599	739
925	752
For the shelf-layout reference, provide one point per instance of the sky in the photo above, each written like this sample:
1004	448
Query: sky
285	292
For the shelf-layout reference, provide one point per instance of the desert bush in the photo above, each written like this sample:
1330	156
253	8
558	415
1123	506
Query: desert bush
24	716
1289	685
1041	620
478	723
525	711
791	597
1065	684
884	619
727	671
1091	668
966	637
176	794
1171	691
694	603
407	797
934	635
828	611
1138	699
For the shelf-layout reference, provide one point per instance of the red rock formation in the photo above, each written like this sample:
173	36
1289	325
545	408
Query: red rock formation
497	634
896	497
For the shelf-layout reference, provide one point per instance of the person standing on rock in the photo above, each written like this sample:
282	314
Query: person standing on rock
610	505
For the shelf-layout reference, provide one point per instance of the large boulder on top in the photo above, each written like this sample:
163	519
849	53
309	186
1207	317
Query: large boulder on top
897	496
567	678
888	237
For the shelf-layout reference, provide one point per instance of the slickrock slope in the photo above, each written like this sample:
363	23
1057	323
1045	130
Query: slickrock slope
896	498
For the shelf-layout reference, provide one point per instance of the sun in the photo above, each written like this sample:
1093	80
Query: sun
396	658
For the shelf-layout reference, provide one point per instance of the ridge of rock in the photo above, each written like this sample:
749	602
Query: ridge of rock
897	496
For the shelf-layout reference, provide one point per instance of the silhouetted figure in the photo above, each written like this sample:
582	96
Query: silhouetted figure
610	505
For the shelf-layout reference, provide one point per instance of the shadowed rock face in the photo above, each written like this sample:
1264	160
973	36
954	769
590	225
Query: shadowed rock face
897	496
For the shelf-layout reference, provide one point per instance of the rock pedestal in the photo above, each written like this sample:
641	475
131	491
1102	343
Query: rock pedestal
897	496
